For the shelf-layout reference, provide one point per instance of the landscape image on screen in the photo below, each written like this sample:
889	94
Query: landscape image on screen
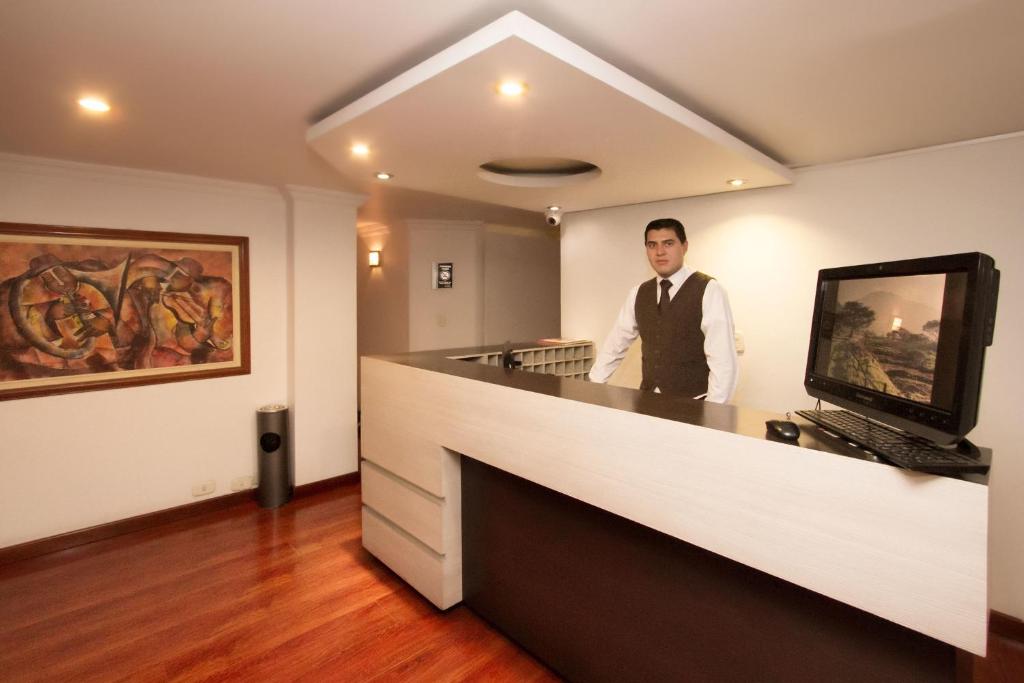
885	334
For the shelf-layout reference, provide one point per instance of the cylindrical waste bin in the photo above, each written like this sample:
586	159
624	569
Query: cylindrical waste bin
276	465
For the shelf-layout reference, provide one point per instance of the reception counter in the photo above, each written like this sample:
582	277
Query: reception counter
852	551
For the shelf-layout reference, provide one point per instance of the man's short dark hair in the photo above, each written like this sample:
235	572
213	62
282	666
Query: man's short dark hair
666	224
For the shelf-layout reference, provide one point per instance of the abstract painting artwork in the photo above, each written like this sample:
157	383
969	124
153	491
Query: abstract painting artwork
93	308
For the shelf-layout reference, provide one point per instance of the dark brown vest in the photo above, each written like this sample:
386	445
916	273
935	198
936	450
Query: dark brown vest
673	344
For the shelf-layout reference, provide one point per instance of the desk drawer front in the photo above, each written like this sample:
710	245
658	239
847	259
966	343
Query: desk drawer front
424	569
414	510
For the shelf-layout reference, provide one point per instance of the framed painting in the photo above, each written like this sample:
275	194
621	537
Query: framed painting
92	308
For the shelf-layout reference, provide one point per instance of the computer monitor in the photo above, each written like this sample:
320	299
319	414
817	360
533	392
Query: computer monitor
904	342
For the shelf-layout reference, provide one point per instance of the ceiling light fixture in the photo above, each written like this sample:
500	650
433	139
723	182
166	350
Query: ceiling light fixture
384	175
737	182
94	104
512	88
360	150
554	208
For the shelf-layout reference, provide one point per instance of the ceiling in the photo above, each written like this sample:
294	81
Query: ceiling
437	126
228	88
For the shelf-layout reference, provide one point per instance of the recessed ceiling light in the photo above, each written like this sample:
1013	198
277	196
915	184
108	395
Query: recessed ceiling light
554	208
538	171
383	175
361	150
93	104
512	88
737	182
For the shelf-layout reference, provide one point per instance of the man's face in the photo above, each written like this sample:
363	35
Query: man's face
665	251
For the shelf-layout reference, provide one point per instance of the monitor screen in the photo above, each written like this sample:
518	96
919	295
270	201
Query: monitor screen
903	341
894	335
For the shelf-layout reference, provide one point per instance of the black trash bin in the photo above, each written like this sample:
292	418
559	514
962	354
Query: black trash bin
276	464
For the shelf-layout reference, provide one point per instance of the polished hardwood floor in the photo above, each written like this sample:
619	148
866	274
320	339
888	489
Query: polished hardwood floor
240	594
259	595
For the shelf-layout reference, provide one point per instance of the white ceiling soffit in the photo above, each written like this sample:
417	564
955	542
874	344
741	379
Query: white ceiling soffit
434	125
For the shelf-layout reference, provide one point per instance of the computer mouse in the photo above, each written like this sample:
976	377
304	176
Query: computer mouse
784	429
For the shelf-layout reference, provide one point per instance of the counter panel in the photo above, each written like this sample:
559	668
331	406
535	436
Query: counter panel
911	548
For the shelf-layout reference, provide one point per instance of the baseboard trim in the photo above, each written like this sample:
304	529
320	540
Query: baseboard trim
1006	626
314	487
71	539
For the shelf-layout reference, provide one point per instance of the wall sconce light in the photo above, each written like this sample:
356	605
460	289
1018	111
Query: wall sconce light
374	259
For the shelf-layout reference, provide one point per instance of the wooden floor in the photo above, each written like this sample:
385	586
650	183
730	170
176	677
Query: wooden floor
242	594
259	595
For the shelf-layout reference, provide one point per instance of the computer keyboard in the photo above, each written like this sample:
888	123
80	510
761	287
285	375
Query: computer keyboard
900	448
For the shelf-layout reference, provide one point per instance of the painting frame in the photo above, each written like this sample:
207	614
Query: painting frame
203	316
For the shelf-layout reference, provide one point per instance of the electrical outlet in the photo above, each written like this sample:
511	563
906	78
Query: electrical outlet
204	489
242	483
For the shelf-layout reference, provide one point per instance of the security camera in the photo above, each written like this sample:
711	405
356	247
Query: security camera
552	217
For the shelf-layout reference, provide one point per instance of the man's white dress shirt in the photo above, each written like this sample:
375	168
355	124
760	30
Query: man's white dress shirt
716	324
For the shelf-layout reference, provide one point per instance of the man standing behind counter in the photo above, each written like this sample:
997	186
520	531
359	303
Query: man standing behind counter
683	318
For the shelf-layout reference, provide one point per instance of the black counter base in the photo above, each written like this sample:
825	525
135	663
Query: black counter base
600	598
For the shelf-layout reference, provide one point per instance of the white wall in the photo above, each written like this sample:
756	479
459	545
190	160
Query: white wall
445	318
766	246
506	284
383	292
519	295
521	284
73	461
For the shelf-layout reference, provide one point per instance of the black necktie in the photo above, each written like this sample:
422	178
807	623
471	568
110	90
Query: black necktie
663	301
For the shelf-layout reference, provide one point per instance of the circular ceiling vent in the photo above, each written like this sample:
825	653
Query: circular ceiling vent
538	171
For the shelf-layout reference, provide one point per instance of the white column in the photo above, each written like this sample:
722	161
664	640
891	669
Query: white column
322	349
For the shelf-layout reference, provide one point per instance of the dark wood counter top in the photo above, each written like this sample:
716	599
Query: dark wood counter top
723	417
